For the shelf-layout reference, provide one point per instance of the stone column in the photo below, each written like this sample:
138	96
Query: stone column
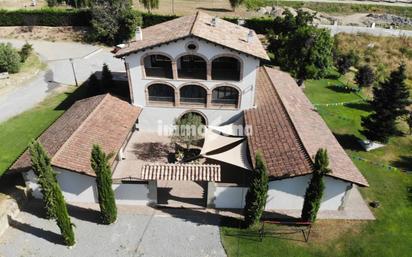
174	70
209	99
152	186
177	98
210	196
209	71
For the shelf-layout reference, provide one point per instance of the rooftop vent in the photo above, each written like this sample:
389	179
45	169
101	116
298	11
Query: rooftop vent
250	36
139	34
213	23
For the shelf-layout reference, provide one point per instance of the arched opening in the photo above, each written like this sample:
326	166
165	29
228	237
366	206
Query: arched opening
193	94
158	66
197	114
161	93
191	67
226	68
225	95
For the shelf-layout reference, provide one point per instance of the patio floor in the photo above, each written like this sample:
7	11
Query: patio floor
143	148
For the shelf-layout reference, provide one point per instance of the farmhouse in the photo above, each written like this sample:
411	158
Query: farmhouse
210	68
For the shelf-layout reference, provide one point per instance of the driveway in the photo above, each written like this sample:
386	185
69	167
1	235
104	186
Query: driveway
150	232
86	59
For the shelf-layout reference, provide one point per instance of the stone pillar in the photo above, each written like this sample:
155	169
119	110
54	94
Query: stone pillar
209	71
177	98
174	70
210	196
208	99
152	186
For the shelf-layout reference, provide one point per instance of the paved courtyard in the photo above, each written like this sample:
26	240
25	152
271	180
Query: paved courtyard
136	233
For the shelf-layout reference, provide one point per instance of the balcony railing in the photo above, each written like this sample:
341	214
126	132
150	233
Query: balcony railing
169	99
159	72
193	100
225	101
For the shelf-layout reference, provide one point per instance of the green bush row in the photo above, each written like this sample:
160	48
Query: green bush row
81	17
45	17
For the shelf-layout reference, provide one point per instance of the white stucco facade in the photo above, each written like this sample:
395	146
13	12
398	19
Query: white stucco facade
78	188
285	194
151	115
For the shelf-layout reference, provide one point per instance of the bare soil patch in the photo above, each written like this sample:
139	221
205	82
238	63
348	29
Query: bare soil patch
66	33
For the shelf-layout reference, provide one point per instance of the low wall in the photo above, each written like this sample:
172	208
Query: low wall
336	29
230	197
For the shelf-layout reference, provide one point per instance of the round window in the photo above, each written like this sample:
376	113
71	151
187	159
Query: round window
192	46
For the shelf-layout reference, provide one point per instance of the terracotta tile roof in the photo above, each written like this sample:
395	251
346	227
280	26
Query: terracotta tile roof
312	130
184	171
273	133
224	33
104	119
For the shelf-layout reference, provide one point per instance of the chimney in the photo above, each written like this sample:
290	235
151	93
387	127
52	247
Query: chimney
139	34
250	36
213	23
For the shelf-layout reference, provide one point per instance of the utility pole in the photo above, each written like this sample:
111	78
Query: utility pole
74	72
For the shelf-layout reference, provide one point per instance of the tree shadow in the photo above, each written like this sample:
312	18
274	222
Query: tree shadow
362	106
349	142
85	214
38	232
404	163
213	9
152	152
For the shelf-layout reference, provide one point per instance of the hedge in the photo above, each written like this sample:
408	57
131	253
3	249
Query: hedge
81	17
45	17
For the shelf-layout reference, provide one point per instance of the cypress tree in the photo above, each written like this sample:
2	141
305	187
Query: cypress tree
314	191
52	194
41	166
257	193
389	102
100	164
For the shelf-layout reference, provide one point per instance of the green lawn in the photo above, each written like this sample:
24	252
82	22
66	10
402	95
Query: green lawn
18	131
389	235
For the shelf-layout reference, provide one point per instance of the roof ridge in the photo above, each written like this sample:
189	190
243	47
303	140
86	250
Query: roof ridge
194	23
289	118
81	125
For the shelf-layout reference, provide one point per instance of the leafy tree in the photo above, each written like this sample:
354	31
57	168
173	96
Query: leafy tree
389	102
100	165
365	76
257	194
345	61
187	129
113	21
300	48
107	78
314	191
25	51
41	166
235	3
149	5
52	194
9	59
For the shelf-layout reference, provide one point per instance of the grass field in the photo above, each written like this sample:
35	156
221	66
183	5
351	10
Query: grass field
389	235
17	132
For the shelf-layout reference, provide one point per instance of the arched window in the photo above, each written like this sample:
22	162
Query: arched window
226	68
158	66
193	94
191	67
225	95
161	93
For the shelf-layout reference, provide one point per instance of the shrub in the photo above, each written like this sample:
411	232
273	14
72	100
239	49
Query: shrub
45	17
25	51
345	61
257	194
314	191
235	3
365	76
100	164
150	19
9	59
